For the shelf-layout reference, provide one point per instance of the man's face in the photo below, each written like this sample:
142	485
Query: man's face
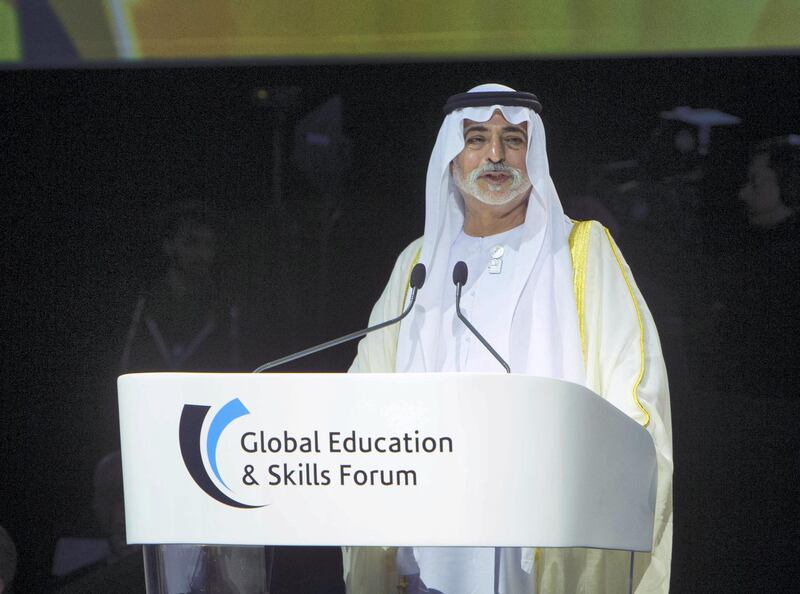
492	167
192	248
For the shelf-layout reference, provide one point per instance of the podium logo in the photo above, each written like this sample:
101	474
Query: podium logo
193	417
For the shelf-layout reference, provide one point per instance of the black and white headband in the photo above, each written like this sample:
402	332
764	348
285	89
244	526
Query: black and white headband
488	98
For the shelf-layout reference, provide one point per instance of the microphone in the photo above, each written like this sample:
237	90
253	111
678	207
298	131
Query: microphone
460	275
416	282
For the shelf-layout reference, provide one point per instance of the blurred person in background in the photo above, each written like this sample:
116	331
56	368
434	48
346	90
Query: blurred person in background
758	373
773	186
185	321
762	326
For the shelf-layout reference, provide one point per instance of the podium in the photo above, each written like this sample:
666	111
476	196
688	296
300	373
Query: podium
250	460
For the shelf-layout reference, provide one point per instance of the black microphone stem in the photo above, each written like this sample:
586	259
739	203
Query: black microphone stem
475	332
340	340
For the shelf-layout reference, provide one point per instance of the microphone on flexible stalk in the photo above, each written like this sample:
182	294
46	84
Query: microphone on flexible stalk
416	282
460	274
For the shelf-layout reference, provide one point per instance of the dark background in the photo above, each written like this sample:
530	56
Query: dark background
91	158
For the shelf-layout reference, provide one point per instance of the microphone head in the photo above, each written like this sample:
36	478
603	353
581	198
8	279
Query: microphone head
418	276
460	273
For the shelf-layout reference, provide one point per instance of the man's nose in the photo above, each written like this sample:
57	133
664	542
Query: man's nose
496	151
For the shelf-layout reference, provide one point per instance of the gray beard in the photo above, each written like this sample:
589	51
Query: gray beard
467	184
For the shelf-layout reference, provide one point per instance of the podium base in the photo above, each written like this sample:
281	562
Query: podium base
207	569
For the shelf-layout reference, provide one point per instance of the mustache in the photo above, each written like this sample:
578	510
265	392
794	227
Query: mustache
515	173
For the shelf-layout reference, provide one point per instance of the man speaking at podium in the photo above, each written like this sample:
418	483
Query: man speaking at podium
555	299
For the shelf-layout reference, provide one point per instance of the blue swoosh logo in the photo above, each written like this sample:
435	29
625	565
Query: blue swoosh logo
226	415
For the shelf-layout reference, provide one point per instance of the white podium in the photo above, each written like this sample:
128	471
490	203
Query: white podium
379	459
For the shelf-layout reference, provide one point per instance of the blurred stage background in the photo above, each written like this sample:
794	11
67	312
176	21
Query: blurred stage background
303	131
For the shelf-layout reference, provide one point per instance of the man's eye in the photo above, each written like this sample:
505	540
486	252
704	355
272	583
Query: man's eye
474	139
515	141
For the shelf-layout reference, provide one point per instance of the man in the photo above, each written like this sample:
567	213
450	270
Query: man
762	321
554	298
759	341
186	321
773	184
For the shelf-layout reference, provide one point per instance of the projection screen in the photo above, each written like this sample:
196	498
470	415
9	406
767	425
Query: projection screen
65	32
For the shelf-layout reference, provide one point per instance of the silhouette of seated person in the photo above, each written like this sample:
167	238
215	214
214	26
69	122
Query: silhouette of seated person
185	321
113	564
